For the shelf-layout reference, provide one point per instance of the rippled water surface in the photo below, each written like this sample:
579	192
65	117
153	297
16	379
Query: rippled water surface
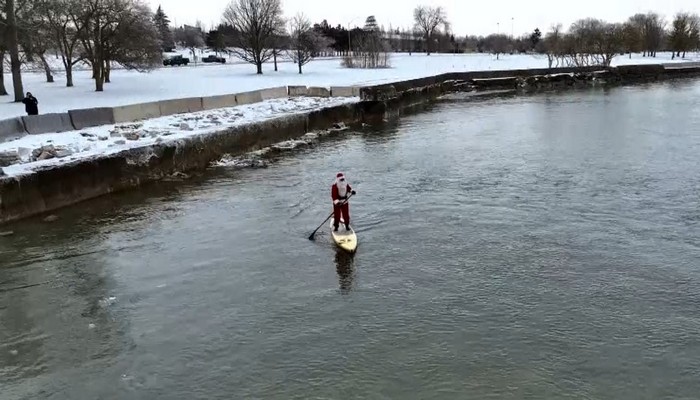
514	247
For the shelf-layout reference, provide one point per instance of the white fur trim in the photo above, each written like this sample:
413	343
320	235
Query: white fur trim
342	188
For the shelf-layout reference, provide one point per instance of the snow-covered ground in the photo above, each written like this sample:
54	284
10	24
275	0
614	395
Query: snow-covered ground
130	87
52	149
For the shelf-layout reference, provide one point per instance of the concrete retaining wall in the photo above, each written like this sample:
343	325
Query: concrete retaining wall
345	91
297	91
223	101
52	188
11	129
85	118
248	97
136	112
318	91
47	123
273	93
179	106
684	65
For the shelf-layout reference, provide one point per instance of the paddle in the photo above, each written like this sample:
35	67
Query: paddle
311	237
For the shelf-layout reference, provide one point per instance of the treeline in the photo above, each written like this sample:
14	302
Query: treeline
586	42
256	31
595	42
103	33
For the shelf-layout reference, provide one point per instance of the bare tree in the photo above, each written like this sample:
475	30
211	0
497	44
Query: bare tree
498	44
279	41
428	20
685	33
190	37
135	43
632	39
304	43
119	31
594	42
651	30
12	40
35	37
63	31
371	51
3	50
256	22
552	45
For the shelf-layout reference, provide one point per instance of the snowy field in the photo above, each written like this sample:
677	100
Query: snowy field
52	149
129	87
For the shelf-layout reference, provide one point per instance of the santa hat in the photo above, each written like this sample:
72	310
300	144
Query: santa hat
340	175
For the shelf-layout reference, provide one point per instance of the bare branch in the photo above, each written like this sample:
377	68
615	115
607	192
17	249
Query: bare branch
427	21
304	42
256	23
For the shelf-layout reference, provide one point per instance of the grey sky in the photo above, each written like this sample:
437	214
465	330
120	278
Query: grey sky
466	16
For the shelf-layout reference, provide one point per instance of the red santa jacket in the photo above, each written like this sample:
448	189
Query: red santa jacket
336	195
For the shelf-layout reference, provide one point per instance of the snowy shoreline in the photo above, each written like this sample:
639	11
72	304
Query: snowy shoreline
54	149
130	87
54	170
23	155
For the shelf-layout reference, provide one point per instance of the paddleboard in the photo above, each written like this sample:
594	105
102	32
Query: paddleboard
346	240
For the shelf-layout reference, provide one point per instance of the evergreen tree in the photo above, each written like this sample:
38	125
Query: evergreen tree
371	24
535	37
163	24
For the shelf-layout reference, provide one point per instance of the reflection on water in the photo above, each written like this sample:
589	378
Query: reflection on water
345	266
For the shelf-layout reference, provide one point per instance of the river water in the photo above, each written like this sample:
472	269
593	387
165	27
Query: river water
540	246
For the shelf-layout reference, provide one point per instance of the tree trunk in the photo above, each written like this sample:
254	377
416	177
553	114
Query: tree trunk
3	90
68	66
108	70
99	80
259	66
13	46
300	67
69	75
47	69
274	56
99	67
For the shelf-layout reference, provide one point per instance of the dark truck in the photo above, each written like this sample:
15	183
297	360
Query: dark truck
213	58
176	60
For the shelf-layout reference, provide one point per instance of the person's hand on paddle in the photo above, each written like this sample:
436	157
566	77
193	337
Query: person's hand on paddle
353	193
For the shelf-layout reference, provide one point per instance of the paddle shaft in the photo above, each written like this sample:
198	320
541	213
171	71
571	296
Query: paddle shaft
329	217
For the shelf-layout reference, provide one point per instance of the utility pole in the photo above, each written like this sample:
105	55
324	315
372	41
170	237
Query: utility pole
349	42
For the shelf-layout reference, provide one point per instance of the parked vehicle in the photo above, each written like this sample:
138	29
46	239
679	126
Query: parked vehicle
176	60
213	58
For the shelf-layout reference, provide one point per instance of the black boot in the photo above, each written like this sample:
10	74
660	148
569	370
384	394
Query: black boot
335	228
347	227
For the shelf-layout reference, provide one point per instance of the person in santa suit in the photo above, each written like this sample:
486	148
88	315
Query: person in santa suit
340	191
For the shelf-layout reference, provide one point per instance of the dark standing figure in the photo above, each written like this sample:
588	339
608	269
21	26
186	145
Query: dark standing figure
31	104
340	193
